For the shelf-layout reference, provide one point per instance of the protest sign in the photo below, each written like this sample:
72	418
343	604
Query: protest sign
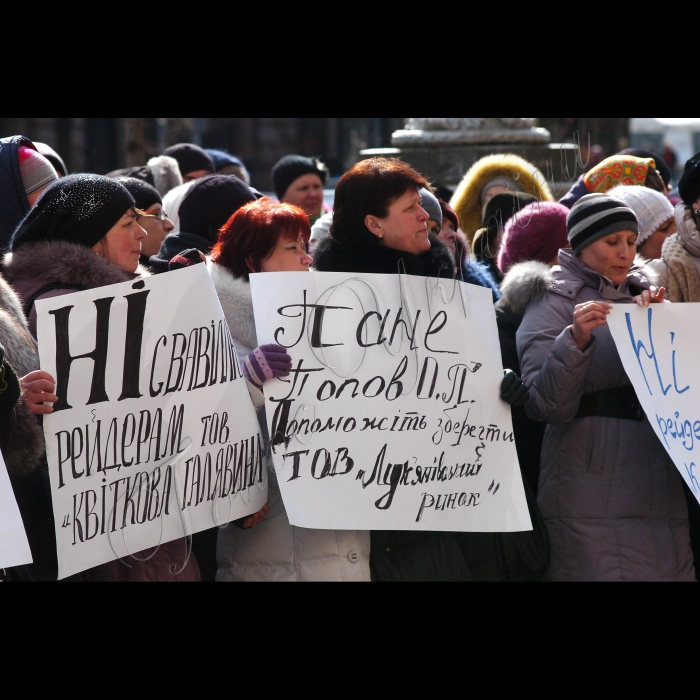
154	436
14	547
391	419
658	347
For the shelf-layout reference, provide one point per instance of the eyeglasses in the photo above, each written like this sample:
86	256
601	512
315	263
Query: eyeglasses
160	215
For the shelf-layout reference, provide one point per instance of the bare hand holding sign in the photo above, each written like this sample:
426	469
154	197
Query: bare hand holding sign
153	436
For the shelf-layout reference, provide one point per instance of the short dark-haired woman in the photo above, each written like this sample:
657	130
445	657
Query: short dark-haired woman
380	227
270	237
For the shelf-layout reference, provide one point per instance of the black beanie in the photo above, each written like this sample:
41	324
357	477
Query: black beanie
661	166
142	172
689	186
79	209
501	208
292	168
144	195
190	158
210	203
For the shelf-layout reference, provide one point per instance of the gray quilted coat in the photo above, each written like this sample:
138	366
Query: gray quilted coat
612	500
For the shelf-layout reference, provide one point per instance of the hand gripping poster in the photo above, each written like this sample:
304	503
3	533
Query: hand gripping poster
14	547
154	436
391	418
658	347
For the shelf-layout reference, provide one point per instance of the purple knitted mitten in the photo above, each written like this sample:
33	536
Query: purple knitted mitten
265	363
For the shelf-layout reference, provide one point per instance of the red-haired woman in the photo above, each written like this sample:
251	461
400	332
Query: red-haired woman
268	237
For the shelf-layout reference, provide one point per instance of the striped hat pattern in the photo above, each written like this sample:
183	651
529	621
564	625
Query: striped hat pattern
596	216
36	171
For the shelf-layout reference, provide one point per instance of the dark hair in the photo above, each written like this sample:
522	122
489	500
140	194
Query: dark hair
369	189
655	182
252	233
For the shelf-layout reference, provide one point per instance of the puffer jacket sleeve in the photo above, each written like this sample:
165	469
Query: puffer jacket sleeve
553	366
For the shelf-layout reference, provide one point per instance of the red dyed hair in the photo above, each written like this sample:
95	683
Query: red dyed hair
252	233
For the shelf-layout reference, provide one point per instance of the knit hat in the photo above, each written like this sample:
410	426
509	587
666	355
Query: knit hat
52	157
37	173
79	209
449	213
619	170
661	166
596	216
651	208
537	232
210	203
503	181
430	204
145	196
291	168
222	159
190	158
689	187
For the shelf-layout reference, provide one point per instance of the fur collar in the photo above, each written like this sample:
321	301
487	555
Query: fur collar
237	302
26	451
66	263
373	258
524	284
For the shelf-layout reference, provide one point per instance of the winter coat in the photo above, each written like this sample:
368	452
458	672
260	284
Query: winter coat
480	275
71	267
431	556
467	198
612	500
681	254
522	284
274	550
24	453
14	204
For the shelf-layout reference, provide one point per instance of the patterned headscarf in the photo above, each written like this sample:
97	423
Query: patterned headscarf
619	170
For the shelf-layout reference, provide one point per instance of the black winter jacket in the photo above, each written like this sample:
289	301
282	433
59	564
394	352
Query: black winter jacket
436	556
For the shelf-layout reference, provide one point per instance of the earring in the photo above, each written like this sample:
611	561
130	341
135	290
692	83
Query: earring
381	238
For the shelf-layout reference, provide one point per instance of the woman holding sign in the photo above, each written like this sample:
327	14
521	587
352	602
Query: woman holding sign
612	500
380	227
270	237
83	234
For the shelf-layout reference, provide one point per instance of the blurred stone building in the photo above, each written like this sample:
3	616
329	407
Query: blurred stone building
101	144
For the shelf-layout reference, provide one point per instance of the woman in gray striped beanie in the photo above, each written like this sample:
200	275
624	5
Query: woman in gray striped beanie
611	498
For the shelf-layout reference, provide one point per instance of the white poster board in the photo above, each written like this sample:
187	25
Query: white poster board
14	547
391	419
659	351
154	436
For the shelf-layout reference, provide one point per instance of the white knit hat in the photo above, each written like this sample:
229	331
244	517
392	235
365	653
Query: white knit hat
651	207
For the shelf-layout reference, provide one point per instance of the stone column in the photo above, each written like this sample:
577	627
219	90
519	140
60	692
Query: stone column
444	148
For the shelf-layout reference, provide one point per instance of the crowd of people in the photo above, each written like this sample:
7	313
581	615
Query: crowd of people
607	503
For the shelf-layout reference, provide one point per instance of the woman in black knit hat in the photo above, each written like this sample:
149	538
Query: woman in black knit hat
299	181
83	234
151	216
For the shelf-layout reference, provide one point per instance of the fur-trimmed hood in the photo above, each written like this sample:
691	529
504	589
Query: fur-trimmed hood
374	258
26	451
467	199
237	302
524	284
